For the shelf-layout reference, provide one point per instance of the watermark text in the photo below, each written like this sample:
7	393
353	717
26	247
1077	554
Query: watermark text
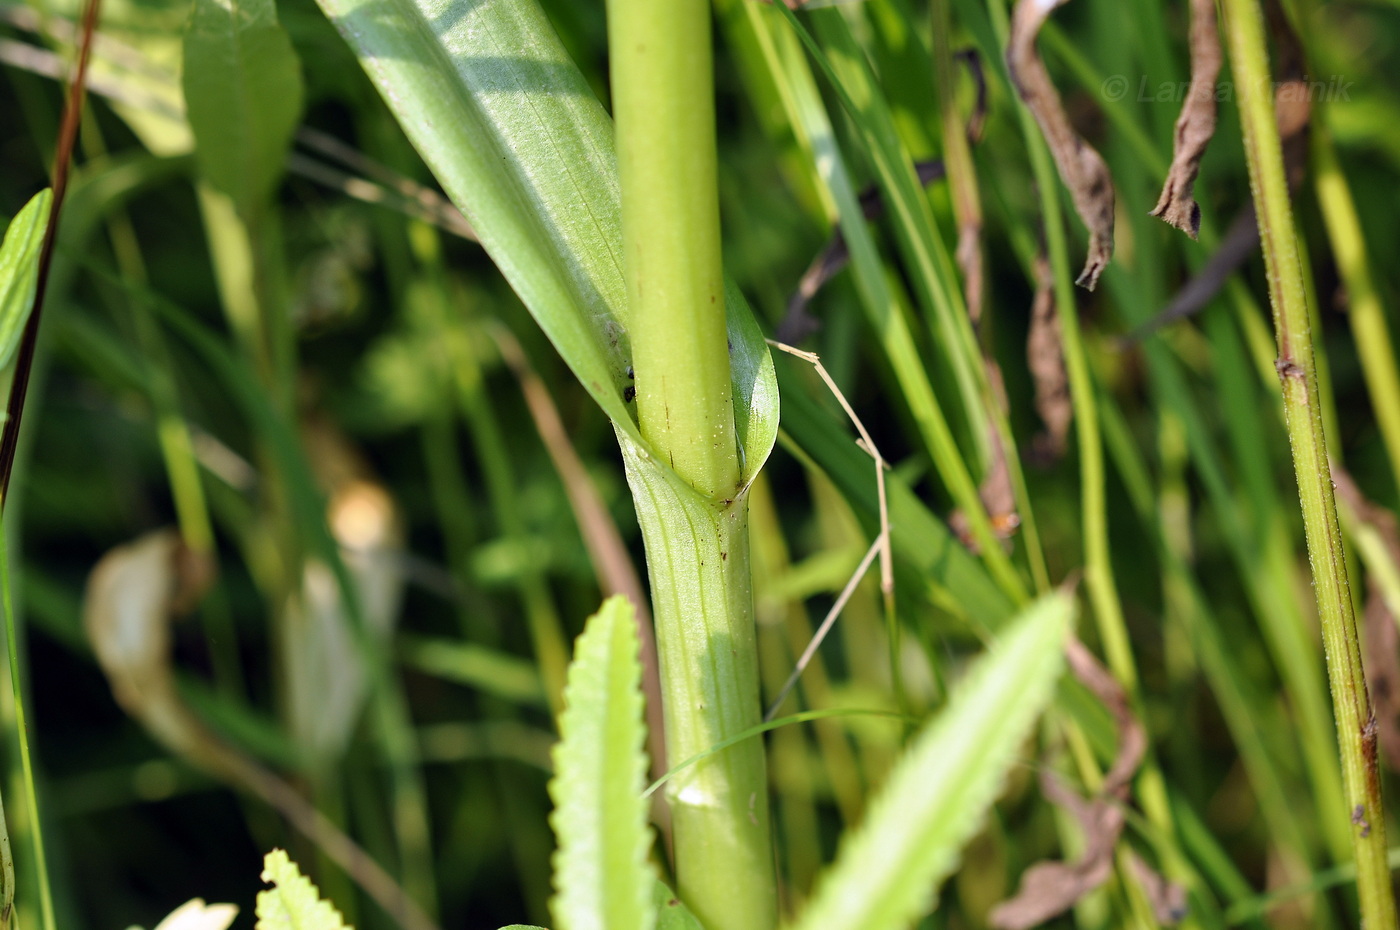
1328	89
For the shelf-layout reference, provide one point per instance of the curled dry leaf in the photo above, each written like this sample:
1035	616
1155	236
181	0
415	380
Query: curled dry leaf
127	611
1292	95
1050	888
1380	639
957	154
325	677
1167	899
1081	168
1293	110
132	595
1045	357
1195	125
978	120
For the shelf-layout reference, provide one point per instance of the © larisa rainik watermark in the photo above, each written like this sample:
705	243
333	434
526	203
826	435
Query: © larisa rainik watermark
1330	89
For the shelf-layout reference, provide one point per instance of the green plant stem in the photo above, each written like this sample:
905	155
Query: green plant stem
686	484
702	604
1374	346
1297	372
663	104
1098	567
967	204
31	799
1098	563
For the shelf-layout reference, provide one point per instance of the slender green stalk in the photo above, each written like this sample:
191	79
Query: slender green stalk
967	204
663	103
1297	372
1098	563
1098	568
691	507
1374	346
31	798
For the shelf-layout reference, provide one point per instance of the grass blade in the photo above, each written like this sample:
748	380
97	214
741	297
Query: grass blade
601	876
243	92
19	270
939	792
538	182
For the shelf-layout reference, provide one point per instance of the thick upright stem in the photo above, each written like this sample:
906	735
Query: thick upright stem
663	104
686	484
702	602
1356	726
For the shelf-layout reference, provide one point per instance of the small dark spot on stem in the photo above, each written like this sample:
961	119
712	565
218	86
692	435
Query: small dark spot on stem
629	394
1288	369
1358	817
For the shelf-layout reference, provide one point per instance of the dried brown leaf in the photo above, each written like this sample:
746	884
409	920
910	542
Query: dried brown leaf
997	493
1195	125
1050	888
129	604
1167	899
1081	168
1293	111
1132	737
1046	359
1380	640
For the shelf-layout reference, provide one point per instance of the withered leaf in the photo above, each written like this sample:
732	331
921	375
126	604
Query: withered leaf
1168	899
132	596
996	491
1081	168
1293	111
1046	359
1050	888
1195	125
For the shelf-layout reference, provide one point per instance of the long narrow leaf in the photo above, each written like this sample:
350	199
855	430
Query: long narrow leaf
243	92
601	877
19	270
515	135
889	869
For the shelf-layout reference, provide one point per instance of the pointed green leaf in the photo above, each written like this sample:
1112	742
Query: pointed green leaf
295	903
601	877
243	92
671	912
513	132
19	270
889	869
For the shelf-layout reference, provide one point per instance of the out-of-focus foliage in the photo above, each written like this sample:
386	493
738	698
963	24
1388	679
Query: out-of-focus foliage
430	616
